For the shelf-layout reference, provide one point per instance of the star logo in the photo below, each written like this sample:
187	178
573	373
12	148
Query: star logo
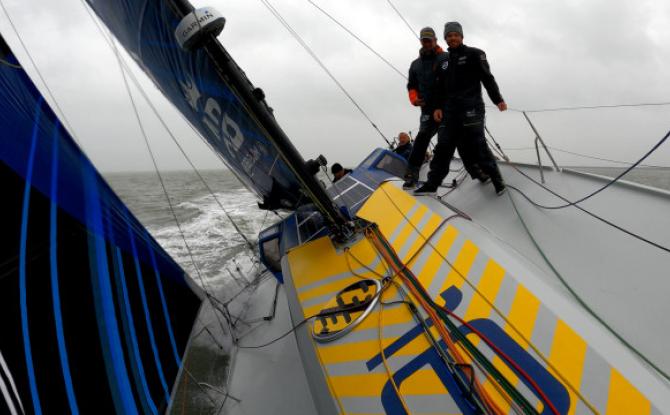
191	93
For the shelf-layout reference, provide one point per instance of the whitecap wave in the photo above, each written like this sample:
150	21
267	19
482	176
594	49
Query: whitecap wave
222	259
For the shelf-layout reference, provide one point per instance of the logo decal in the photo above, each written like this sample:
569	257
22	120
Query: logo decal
348	309
452	296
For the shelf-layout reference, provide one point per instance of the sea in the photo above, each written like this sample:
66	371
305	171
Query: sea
194	224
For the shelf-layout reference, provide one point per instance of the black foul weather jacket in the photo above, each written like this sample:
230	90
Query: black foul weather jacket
459	83
421	80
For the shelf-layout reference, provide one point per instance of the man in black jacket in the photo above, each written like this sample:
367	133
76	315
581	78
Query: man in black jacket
459	108
421	90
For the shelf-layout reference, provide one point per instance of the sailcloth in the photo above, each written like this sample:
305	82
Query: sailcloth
94	314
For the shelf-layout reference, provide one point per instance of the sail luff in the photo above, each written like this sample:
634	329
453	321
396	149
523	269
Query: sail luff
230	72
213	93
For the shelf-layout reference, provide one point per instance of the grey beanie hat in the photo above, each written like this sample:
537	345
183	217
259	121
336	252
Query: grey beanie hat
452	27
427	33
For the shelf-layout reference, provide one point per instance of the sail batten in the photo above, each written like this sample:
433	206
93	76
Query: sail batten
65	234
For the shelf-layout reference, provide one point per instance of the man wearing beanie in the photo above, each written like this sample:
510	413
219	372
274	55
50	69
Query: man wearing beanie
460	109
421	88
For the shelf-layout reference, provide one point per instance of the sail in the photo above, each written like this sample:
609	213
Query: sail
95	316
192	81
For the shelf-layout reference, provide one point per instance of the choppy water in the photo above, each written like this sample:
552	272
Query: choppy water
214	244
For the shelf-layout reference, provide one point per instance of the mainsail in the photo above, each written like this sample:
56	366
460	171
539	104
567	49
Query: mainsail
213	93
95	314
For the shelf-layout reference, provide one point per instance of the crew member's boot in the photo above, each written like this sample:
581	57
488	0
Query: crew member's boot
428	188
476	172
499	185
497	180
411	178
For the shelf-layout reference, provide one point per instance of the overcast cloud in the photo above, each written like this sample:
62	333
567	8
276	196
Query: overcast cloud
543	53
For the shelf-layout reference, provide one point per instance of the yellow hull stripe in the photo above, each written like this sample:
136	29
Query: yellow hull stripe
568	352
624	398
460	269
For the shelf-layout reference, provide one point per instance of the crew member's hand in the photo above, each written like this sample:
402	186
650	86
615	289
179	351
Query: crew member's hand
419	102
502	106
437	115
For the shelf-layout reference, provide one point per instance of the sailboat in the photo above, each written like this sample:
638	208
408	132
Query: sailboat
374	300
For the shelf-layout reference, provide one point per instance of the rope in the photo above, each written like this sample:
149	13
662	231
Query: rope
361	41
153	160
500	150
11	65
39	73
581	301
593	215
492	305
160	178
139	87
309	50
628	163
380	337
395	9
431	339
590	107
391	258
614	180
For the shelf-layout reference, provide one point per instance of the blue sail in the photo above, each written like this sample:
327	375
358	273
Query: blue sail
190	80
95	314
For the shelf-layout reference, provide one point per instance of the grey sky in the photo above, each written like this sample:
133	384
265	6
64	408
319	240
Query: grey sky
543	53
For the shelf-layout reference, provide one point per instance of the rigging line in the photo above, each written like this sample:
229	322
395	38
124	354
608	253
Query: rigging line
403	269
199	386
504	357
589	107
395	9
138	85
627	163
580	300
607	222
303	322
39	74
406	300
414	312
446	333
250	244
593	215
309	50
492	372
611	182
502	153
11	65
487	301
160	177
361	41
380	338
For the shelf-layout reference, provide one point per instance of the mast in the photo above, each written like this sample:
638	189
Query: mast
253	99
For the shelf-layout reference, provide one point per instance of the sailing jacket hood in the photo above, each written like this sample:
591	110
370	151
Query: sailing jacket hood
459	82
421	79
